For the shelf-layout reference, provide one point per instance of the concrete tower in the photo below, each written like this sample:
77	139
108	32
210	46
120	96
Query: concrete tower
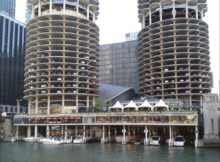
61	58
174	50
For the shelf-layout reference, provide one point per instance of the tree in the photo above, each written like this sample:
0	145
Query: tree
100	104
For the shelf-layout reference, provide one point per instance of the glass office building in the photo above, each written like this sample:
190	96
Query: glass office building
8	6
12	36
118	63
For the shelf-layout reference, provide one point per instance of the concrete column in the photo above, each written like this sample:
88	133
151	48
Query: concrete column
39	7
76	130
161	12
63	98
18	106
48	105
64	6
93	18
28	131
36	106
16	132
150	18
143	21
109	132
84	132
65	132
87	103
93	101
146	141
47	131
77	104
35	131
51	7
171	135
103	132
32	11
187	9
123	138
197	136
197	13
202	14
77	8
87	12
29	107
174	10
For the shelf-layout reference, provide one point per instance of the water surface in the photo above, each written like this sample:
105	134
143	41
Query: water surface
35	152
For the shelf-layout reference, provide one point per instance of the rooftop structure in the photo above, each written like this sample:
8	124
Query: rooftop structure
173	50
61	58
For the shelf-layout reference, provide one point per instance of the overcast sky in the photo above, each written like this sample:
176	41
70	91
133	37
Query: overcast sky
118	17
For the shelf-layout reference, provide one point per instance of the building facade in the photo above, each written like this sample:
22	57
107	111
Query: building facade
12	37
61	57
8	6
118	63
173	50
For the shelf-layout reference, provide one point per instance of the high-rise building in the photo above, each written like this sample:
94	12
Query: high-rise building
118	63
12	37
61	58
8	6
174	50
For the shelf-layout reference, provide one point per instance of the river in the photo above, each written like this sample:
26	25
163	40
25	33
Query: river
95	152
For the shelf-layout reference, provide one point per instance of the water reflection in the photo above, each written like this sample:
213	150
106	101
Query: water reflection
28	152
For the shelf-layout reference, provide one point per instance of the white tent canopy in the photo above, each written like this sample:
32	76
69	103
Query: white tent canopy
117	105
146	104
131	104
161	103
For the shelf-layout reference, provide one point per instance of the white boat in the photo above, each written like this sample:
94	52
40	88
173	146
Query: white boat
179	141
52	141
120	138
155	141
29	139
66	140
79	139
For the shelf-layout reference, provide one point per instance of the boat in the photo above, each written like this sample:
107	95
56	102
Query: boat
155	141
119	139
50	141
29	139
66	140
79	139
179	141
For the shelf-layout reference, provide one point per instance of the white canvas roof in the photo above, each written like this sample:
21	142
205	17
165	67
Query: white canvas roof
145	104
161	103
131	104
117	105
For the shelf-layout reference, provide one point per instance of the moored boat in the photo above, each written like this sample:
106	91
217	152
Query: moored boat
155	141
179	141
50	141
79	139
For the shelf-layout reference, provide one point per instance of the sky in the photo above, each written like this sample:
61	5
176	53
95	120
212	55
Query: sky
118	17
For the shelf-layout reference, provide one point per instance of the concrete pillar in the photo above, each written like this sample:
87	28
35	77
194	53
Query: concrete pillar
103	132
63	99
123	138
84	132
143	21
171	135
28	131
29	107
39	7
187	9
65	132
47	131
161	12
32	11
109	132
197	13
146	140
87	12
48	105
202	14
64	6
93	18
174	10
35	131
36	106
197	136
77	104
16	132
18	106
77	8
76	130
51	7
87	103
150	18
